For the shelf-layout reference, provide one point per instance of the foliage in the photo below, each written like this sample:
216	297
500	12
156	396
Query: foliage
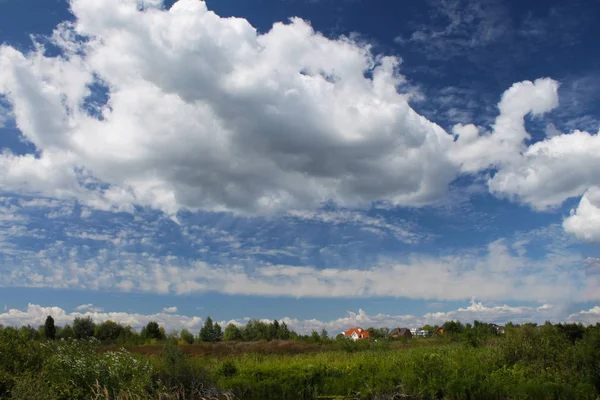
49	328
469	361
108	331
18	356
211	332
186	336
232	333
176	370
65	333
83	327
153	331
74	366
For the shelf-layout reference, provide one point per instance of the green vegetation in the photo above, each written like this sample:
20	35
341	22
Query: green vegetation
468	361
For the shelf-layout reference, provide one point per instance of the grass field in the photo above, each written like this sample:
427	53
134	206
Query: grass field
230	348
281	347
527	363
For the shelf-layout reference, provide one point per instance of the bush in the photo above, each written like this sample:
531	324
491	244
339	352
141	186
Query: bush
351	346
176	373
228	369
187	337
74	367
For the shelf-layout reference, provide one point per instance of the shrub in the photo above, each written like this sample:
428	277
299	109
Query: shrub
74	367
228	369
83	328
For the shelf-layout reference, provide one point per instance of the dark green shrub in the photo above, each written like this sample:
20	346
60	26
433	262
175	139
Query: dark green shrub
228	368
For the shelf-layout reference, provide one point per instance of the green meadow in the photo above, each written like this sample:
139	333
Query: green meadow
527	362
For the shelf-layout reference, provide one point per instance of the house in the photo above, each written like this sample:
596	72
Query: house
357	333
420	332
400	333
441	329
499	328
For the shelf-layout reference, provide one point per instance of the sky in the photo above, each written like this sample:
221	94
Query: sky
329	163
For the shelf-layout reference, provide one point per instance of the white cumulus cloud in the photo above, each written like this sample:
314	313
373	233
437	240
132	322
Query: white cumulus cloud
205	113
584	221
35	315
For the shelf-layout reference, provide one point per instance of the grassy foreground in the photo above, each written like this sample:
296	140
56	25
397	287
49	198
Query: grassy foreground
528	363
501	370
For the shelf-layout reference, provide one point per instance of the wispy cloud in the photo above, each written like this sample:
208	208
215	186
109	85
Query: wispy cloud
458	26
89	308
402	230
501	270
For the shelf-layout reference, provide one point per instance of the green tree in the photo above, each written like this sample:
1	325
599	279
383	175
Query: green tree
255	330
217	334
273	330
324	335
186	336
49	328
108	331
66	332
232	333
128	336
28	332
206	332
83	328
284	332
315	337
153	331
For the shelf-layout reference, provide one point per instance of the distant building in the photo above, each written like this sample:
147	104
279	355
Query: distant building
420	332
357	333
499	328
400	333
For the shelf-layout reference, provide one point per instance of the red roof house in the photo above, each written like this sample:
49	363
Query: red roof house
357	333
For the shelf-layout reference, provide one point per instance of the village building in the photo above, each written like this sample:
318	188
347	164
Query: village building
357	333
398	333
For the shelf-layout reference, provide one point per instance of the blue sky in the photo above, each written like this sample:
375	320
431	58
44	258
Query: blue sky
326	162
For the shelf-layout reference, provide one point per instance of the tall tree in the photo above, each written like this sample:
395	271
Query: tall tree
232	333
207	331
49	328
217	333
315	337
274	330
153	331
284	332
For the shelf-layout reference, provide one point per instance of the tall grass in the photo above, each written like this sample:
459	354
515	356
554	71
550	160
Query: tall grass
528	363
501	370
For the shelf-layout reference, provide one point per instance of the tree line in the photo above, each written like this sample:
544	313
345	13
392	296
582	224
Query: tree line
110	332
